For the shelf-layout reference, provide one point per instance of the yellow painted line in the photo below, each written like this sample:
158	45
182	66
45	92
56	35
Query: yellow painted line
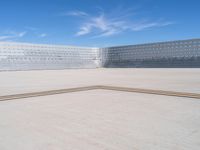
103	87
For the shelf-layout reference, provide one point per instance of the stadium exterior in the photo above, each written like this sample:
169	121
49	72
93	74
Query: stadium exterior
21	56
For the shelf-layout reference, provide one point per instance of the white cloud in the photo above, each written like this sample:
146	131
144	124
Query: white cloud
4	37
36	32
21	34
9	35
145	25
103	24
75	13
84	30
43	35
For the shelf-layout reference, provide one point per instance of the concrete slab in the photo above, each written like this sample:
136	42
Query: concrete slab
182	80
100	119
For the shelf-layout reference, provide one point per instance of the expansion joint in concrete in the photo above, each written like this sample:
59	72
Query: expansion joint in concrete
101	87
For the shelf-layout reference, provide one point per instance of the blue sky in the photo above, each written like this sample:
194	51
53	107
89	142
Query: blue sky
98	22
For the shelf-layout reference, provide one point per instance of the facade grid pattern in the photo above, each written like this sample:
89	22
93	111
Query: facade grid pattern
185	53
20	56
17	56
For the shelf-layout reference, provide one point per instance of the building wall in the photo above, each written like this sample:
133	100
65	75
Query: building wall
17	56
185	53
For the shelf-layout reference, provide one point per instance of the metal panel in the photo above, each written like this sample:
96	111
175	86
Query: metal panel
185	53
20	56
17	56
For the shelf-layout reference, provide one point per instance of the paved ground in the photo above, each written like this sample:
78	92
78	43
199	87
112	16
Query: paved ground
100	120
183	80
100	87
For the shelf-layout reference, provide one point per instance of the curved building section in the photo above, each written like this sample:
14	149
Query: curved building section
21	56
184	53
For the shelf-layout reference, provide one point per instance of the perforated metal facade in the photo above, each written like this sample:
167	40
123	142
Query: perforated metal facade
185	53
17	56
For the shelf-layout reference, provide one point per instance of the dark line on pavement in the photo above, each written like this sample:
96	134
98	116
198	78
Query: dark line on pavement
150	91
103	87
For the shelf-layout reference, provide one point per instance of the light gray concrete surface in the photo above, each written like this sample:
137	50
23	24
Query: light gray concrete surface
182	80
100	120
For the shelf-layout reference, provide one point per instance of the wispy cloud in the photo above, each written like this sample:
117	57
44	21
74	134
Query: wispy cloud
13	35
146	25
43	35
10	35
34	31
75	13
103	24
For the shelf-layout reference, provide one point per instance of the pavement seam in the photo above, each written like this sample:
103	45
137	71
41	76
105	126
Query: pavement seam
102	87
